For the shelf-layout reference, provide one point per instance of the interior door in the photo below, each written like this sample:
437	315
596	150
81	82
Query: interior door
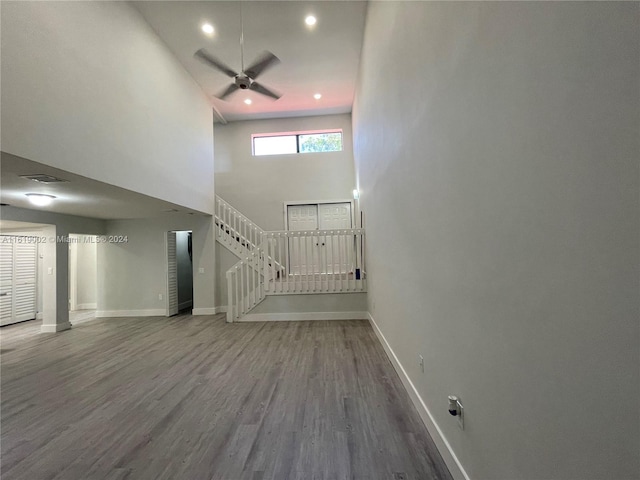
303	252
25	264
336	249
18	269
172	275
6	282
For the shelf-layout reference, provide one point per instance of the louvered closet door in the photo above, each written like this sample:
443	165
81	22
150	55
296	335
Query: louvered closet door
25	255
172	274
18	269
6	282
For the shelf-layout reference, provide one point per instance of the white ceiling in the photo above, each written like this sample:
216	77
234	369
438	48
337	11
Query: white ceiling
79	195
323	59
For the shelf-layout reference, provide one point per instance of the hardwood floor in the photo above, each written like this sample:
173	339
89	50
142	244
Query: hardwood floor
194	398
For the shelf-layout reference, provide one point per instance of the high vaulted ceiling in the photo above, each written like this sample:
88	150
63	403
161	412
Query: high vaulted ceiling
320	59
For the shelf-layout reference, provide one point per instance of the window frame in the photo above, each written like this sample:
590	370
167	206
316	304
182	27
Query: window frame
297	135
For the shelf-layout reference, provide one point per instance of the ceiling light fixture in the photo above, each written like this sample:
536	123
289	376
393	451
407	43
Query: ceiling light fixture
248	101
317	96
208	29
42	178
40	199
310	20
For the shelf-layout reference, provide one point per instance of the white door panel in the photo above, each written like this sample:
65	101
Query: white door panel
25	255
334	215
18	270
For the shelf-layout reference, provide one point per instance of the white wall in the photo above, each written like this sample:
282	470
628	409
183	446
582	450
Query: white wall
224	261
325	303
496	149
86	266
88	87
133	274
259	186
185	270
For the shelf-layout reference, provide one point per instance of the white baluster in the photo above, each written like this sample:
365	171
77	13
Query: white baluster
358	261
229	297
278	251
237	293
254	266
307	241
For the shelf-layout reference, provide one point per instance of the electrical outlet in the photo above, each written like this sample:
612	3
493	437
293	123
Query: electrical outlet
159	296
421	362
457	410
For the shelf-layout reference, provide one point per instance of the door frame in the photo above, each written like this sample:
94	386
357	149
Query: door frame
73	273
318	202
166	271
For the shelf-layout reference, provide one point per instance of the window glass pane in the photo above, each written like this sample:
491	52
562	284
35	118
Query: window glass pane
321	142
274	145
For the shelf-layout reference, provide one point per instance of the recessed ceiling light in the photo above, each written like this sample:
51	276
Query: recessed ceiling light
208	29
317	96
248	101
39	199
310	20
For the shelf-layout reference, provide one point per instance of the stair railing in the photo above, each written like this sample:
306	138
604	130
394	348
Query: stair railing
235	230
287	262
245	285
314	261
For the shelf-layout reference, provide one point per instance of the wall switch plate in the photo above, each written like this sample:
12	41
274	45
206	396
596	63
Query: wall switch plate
421	362
159	296
201	270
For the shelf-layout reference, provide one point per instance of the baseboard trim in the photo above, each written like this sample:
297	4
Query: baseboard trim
58	327
204	311
154	312
455	467
302	316
84	320
87	306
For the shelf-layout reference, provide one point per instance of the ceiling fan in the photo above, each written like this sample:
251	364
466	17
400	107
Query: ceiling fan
246	79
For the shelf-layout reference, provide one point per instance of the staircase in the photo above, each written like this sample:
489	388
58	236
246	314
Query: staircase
286	262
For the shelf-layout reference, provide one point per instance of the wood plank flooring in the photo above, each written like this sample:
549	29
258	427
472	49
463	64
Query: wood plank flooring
194	398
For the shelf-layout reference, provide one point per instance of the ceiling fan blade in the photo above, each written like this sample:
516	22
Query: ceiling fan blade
264	61
227	91
207	58
256	87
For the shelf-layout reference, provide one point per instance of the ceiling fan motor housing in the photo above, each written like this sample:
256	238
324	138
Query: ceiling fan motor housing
243	82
